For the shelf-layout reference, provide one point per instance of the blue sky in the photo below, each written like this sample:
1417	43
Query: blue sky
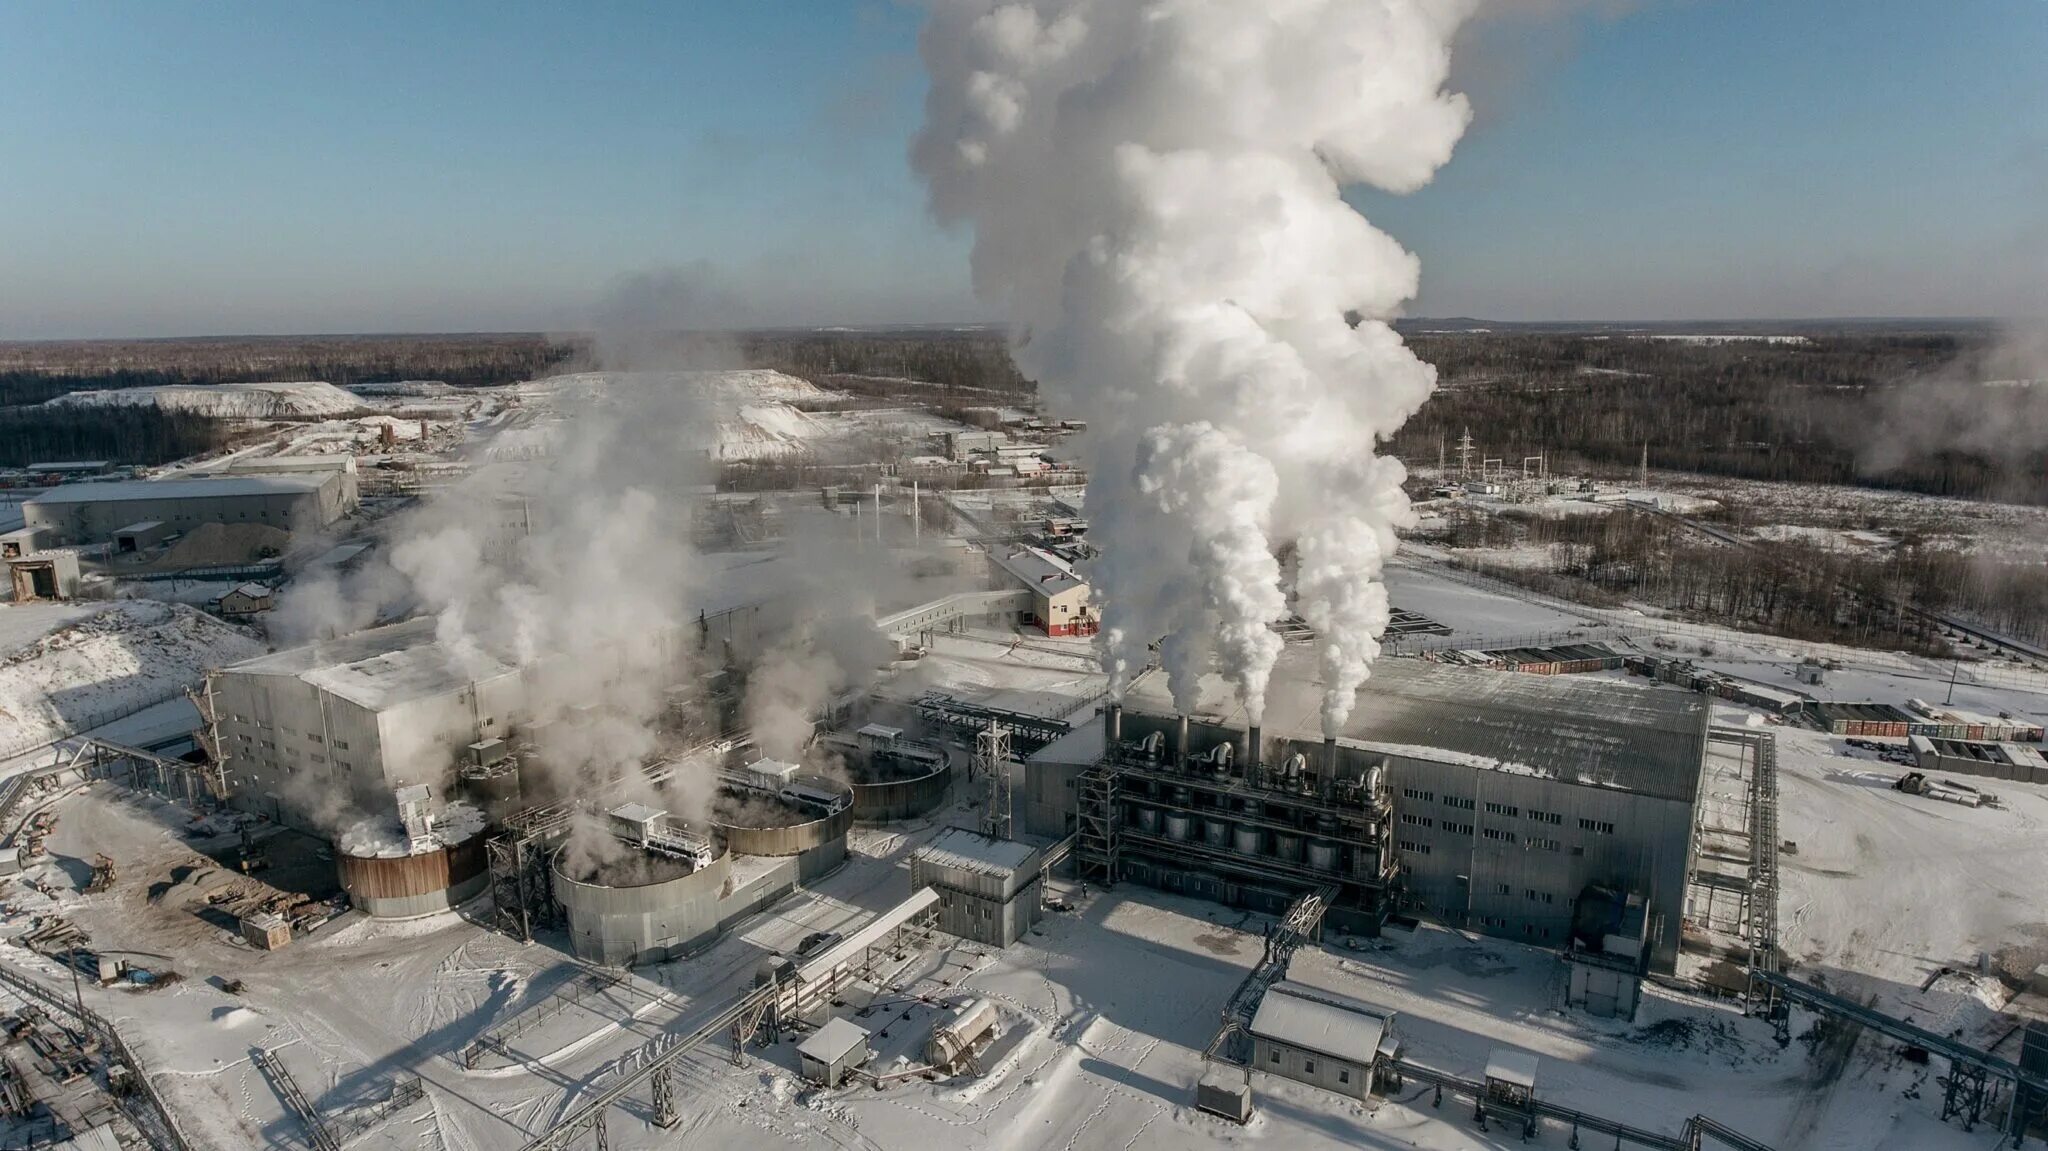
188	168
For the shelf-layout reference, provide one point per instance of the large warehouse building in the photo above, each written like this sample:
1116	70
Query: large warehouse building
1483	799
92	512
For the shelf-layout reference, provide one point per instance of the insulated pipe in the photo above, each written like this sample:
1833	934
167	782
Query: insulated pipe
1180	740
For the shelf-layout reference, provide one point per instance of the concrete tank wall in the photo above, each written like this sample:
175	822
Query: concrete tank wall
413	885
618	926
790	839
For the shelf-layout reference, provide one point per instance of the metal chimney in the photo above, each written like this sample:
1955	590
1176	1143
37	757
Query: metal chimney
1329	758
1113	726
1180	740
1252	750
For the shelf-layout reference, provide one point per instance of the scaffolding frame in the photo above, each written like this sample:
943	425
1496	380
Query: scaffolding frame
522	890
1097	840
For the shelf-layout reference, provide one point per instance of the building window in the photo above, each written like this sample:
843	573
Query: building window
1596	826
1457	828
1503	889
1497	834
1308	1067
1502	809
1413	820
1414	848
1343	1075
1418	793
341	745
1276	1055
1459	802
314	738
1544	844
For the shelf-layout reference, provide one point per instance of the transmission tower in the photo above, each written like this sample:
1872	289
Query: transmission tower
1465	450
992	755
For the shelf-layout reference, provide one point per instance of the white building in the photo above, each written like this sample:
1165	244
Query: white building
91	512
988	888
1060	598
1321	1038
832	1051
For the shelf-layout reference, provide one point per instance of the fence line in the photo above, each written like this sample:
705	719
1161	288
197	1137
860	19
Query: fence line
95	718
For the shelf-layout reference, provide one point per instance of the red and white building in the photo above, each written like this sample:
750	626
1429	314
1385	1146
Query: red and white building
1059	597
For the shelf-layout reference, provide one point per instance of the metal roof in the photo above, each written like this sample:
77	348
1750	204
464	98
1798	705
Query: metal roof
1039	569
877	929
1322	1021
1643	738
114	491
973	851
1509	1066
834	1041
378	668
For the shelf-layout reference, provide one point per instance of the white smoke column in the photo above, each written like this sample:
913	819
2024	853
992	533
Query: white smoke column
1155	191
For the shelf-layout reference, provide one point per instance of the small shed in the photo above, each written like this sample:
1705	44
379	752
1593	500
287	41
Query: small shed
832	1051
44	575
246	599
266	930
1511	1079
1321	1038
1225	1092
139	537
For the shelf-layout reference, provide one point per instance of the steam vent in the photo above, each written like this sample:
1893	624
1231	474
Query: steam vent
416	865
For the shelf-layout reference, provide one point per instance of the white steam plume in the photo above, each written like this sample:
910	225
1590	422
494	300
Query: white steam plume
1155	194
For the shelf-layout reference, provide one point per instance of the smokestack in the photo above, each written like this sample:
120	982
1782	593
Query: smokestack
1180	739
1113	726
1329	758
1251	749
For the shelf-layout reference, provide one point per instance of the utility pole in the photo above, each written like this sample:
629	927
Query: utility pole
1953	672
992	755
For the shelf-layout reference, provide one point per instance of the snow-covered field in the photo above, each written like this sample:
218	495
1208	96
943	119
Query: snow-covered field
117	658
237	401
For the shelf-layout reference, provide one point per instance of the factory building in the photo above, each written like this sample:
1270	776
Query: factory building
1486	800
341	464
1059	597
93	512
354	719
988	888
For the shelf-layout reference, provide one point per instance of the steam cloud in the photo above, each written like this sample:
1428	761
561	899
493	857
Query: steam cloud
1155	195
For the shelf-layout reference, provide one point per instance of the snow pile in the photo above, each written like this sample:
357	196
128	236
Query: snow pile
753	419
132	654
224	401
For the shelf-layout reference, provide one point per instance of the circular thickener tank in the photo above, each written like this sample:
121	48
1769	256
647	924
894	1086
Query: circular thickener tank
902	788
1148	819
1216	832
639	907
1177	827
1246	840
1322	856
763	826
1287	846
406	886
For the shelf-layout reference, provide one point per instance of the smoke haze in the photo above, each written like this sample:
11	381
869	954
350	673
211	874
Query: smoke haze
1154	190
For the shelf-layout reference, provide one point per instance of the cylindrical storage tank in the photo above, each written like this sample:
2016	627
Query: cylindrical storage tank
887	800
641	908
405	886
1176	826
1322	856
957	1034
1253	809
1181	797
1216	832
1247	840
1287	846
1148	819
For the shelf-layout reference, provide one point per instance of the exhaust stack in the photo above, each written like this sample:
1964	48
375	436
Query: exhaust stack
1180	740
1329	767
1113	726
1252	748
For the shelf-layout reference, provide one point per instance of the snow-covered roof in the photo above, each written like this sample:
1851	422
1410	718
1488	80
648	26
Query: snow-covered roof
834	1041
207	487
1506	1065
1317	1020
1596	732
1039	569
252	590
139	527
379	668
637	813
881	731
973	851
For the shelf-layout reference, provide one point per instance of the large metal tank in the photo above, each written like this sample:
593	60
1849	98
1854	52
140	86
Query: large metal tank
1322	856
639	908
955	1035
1246	839
1176	826
904	787
1287	846
407	886
386	879
1148	820
1216	832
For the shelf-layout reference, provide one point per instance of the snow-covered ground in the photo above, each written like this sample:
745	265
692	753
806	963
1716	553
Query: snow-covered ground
236	401
113	660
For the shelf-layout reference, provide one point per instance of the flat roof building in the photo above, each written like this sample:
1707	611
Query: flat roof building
91	512
988	888
831	1051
